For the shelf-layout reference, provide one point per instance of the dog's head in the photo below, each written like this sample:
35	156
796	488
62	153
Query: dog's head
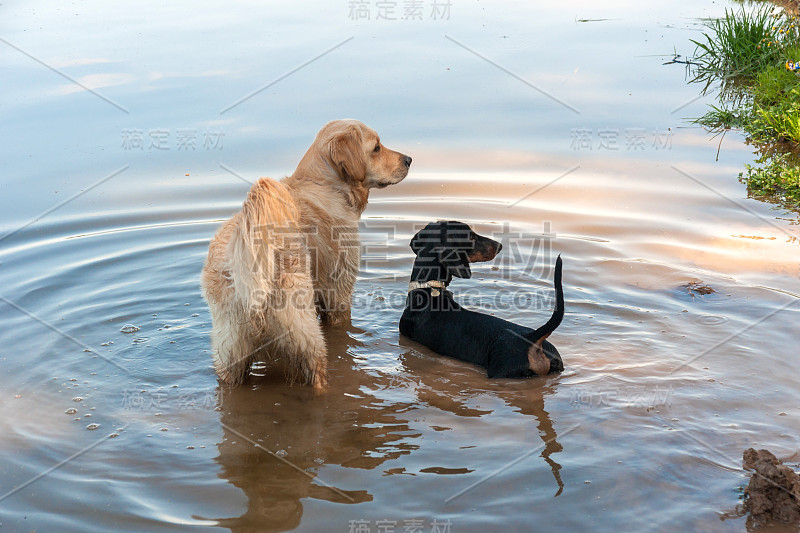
446	248
356	153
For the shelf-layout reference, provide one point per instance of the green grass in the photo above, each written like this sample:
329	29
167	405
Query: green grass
721	118
771	111
744	53
775	111
776	123
774	85
741	43
775	176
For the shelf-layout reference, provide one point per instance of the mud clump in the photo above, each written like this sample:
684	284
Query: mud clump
773	494
695	288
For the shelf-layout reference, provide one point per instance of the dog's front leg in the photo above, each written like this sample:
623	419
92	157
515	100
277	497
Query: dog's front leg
335	292
335	302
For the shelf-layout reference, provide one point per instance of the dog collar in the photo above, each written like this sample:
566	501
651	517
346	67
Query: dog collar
432	284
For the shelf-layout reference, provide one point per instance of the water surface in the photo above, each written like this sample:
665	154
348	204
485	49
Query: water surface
544	127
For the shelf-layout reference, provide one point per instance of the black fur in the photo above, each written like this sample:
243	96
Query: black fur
444	250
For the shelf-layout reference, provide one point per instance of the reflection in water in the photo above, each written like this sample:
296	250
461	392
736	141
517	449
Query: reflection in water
527	397
305	432
531	402
282	443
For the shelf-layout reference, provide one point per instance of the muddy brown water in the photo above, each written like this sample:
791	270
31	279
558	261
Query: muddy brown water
582	149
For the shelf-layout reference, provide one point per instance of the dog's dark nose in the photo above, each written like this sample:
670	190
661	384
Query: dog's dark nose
499	247
407	161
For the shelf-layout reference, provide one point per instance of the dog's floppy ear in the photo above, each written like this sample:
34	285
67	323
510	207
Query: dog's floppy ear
453	251
445	246
428	238
348	155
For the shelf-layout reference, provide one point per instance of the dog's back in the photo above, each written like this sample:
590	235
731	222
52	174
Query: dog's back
241	262
258	285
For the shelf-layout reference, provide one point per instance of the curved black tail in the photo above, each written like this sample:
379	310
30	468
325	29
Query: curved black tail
558	313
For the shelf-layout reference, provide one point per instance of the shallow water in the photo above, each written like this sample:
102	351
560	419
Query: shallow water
663	387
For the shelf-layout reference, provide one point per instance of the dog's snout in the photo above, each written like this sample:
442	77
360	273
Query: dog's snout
499	247
407	161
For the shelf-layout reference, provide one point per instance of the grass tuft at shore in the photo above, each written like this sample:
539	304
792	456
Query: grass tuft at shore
745	53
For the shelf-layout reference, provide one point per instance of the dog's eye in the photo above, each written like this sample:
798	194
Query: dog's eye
377	148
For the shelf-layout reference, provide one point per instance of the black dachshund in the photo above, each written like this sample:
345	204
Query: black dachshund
433	318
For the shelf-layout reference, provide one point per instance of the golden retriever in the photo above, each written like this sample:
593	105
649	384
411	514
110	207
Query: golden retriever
292	254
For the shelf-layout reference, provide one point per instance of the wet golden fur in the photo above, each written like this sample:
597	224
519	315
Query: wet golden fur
292	253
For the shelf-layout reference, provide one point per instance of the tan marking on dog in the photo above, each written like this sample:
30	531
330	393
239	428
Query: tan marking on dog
537	360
